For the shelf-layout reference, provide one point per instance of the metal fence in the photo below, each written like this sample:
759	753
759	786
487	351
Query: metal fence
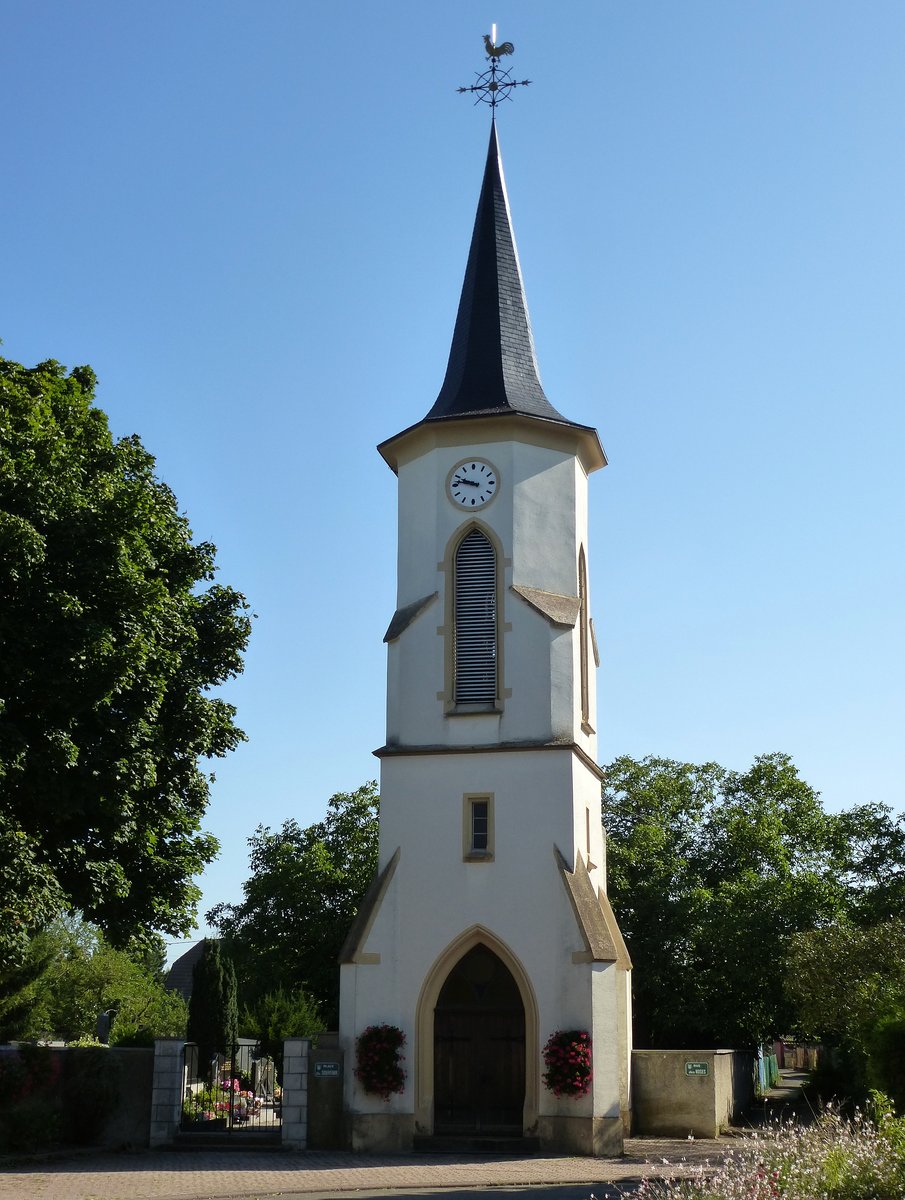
235	1092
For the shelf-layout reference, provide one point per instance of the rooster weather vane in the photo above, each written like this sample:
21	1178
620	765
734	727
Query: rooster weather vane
494	84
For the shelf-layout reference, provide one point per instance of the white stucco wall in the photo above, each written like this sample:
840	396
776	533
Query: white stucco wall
520	897
538	519
543	797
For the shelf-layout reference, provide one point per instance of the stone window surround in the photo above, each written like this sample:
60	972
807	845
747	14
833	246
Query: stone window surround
448	632
469	853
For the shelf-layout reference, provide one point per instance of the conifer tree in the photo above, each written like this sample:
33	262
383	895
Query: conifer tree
213	1015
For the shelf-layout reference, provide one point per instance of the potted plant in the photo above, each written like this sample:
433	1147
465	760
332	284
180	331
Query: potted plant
378	1060
567	1057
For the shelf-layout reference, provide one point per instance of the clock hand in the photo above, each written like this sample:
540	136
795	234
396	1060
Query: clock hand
468	482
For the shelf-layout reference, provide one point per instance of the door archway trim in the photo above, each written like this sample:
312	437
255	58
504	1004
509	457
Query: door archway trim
476	935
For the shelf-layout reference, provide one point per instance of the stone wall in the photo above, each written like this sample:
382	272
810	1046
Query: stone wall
93	1096
128	1126
677	1093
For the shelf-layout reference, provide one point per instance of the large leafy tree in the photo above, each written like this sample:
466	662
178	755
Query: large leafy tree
870	849
300	899
847	983
652	811
20	984
111	635
845	979
713	872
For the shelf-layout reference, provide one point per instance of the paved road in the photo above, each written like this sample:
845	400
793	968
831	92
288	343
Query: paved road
247	1175
241	1175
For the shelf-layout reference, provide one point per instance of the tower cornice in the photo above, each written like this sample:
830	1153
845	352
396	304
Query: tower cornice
396	751
580	440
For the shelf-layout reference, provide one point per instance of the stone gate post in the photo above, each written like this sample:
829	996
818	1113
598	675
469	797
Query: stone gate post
167	1090
296	1053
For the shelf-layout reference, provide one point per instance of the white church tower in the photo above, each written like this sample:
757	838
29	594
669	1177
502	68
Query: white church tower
488	927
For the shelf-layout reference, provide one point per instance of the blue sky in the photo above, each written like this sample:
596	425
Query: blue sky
252	220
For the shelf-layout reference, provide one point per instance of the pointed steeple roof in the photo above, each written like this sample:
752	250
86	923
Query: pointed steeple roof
492	371
492	366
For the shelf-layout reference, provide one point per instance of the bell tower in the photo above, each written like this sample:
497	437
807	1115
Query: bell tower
488	928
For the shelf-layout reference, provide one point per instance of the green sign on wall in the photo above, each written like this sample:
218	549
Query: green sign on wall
326	1070
697	1068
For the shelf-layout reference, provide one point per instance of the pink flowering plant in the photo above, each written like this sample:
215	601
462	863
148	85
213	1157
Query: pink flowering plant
567	1057
245	1103
378	1060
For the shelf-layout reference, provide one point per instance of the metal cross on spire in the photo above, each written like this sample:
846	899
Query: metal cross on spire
494	84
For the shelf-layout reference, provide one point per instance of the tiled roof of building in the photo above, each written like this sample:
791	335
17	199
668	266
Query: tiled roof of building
179	976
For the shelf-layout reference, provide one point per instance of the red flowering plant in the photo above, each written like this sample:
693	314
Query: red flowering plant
567	1057
378	1060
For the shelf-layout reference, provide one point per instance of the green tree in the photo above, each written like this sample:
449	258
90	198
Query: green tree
20	984
870	849
886	1060
150	953
303	893
847	983
845	979
713	872
85	976
279	1015
30	895
71	975
213	1016
111	635
653	812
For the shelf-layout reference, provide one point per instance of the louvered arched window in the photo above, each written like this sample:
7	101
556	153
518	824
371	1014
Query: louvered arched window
475	620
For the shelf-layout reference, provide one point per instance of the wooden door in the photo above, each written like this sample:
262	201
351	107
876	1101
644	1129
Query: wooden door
479	1049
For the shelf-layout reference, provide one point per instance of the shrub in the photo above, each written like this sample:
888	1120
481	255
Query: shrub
132	1035
279	1015
31	1124
29	1098
209	1104
886	1065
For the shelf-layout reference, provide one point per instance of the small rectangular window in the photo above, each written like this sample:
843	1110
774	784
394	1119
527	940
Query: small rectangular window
477	828
479	824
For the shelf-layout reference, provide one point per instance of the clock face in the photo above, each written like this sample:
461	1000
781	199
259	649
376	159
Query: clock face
472	483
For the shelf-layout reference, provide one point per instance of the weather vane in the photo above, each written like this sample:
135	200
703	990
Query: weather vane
496	83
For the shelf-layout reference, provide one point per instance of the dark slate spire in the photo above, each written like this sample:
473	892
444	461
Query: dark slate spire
492	367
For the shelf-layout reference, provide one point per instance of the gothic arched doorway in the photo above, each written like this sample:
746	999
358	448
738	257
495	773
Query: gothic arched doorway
479	1048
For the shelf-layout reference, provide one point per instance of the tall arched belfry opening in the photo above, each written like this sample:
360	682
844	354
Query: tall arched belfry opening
488	927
